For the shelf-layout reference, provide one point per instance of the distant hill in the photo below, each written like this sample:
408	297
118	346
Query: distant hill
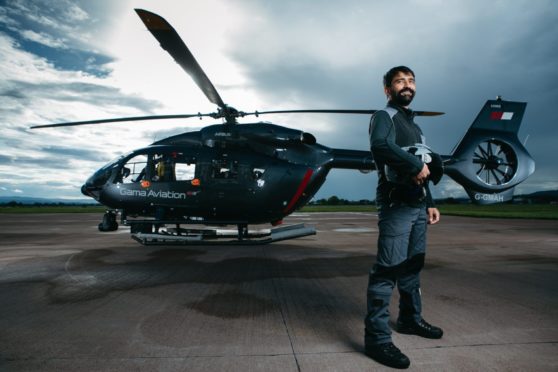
545	194
540	196
27	200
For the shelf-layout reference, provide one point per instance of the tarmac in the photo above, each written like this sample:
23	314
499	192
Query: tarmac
75	299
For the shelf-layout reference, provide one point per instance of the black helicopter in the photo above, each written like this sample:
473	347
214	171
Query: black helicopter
229	174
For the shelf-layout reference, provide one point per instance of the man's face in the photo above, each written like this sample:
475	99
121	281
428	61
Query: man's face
402	89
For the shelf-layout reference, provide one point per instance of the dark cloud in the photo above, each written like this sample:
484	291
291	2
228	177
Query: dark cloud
59	184
58	31
81	154
463	54
4	159
94	94
12	93
15	177
26	163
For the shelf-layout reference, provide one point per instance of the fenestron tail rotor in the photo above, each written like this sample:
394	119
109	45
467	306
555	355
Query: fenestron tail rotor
490	161
496	162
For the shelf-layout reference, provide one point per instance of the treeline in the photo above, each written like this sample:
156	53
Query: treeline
535	198
14	203
334	200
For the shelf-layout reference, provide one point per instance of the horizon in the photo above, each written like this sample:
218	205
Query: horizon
85	200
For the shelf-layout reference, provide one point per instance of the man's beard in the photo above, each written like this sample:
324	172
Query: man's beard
402	99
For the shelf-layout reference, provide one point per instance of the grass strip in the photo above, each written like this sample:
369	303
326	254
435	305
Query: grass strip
529	211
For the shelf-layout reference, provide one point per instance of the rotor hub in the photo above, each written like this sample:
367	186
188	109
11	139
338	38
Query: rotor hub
493	162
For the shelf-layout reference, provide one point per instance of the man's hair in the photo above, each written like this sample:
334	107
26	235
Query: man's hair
388	77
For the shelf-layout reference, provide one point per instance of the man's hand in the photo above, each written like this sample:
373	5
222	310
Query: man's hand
433	215
420	178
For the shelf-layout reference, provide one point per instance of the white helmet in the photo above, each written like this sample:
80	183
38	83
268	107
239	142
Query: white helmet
427	156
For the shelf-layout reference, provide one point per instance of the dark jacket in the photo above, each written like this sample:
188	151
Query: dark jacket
390	130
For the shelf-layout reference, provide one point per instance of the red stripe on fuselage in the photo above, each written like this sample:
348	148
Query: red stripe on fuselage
299	191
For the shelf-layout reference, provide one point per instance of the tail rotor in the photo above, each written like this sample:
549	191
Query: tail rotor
496	161
490	160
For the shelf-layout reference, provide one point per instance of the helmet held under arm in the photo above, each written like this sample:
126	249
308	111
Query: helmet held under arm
427	156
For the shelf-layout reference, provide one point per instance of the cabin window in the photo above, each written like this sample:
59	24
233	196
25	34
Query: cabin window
170	169
164	169
225	169
185	171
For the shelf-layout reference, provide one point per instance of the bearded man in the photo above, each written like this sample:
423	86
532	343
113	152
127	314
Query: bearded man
404	209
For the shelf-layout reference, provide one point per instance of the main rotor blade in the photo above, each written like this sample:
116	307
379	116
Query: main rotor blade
217	115
312	112
114	120
368	112
428	113
173	44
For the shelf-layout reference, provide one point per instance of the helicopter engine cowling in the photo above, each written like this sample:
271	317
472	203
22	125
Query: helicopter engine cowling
262	133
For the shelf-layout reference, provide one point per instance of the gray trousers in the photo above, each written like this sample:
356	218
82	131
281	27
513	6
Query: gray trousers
401	249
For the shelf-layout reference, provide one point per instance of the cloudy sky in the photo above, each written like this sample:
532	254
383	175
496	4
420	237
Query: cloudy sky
63	60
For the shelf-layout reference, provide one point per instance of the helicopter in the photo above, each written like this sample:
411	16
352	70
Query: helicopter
259	173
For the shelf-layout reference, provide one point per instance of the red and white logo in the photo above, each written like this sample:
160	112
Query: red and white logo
499	115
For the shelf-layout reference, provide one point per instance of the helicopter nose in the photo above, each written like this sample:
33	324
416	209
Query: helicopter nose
84	190
95	183
89	190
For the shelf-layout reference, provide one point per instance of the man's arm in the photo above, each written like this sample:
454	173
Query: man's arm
384	148
420	178
433	215
431	210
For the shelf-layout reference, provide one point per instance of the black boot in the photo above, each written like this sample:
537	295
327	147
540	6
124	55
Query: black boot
421	328
388	354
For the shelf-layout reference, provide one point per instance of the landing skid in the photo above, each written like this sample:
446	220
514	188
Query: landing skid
181	236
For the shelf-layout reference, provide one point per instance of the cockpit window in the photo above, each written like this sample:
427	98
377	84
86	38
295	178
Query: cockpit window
111	164
134	170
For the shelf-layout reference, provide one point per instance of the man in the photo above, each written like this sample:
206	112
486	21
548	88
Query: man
405	206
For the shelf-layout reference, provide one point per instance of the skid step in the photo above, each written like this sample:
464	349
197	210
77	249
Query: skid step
181	236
